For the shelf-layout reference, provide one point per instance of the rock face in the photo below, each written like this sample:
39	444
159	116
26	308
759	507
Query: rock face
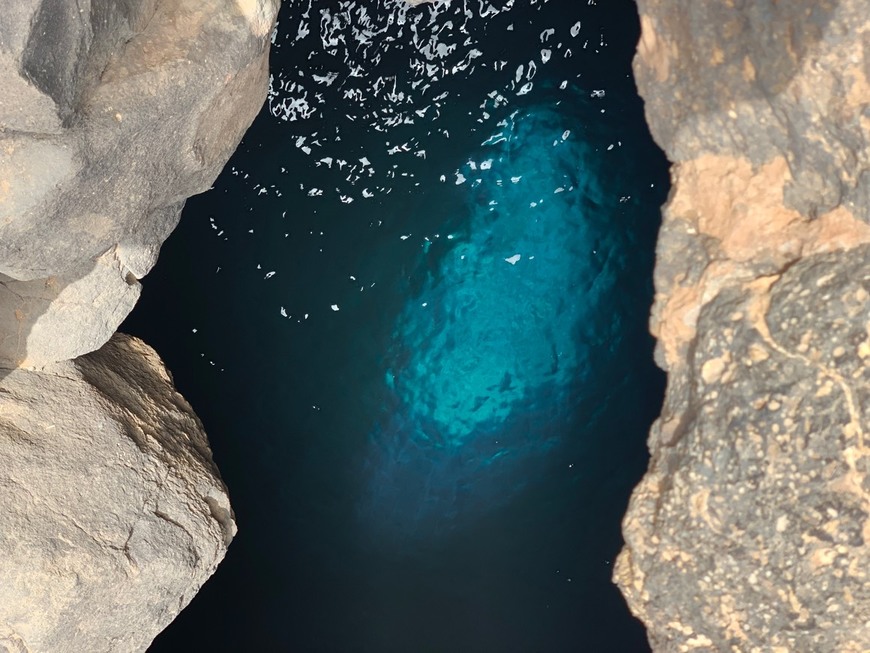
111	115
113	514
751	529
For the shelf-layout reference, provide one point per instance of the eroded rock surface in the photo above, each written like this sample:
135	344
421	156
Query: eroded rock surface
113	513
111	115
751	529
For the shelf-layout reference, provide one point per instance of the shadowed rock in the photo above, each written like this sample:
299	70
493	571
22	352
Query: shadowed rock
751	529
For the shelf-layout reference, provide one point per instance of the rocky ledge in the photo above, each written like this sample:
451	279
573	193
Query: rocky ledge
112	513
751	529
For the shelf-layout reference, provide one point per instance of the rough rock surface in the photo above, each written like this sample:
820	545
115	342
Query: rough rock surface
113	514
751	529
111	115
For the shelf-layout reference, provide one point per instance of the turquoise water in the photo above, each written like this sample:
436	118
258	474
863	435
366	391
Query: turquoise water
508	327
412	316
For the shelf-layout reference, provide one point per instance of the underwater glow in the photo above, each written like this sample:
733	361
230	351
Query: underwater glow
447	477
491	354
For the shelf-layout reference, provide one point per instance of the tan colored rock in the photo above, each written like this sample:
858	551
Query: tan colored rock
113	513
751	529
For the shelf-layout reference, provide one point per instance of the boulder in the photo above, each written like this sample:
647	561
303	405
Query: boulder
113	511
111	115
751	528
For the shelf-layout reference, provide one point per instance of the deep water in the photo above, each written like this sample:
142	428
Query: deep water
412	315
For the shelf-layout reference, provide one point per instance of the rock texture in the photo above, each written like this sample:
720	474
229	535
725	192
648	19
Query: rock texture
113	514
111	115
751	529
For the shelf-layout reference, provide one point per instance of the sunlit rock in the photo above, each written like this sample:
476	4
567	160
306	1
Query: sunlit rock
751	529
113	513
111	115
59	316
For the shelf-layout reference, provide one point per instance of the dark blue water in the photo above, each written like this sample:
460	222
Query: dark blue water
412	316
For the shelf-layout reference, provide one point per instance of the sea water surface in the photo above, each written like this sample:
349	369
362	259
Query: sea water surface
412	315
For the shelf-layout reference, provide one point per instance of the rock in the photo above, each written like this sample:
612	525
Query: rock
113	512
59	316
111	115
751	529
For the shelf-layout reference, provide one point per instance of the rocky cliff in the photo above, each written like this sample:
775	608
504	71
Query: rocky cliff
112	113
751	528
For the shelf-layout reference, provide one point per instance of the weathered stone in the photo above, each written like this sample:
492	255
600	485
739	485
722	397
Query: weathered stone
751	529
111	115
60	316
113	513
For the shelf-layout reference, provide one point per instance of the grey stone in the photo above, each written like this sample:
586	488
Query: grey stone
59	317
113	513
111	115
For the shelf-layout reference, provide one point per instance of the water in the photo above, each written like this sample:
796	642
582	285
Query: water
412	316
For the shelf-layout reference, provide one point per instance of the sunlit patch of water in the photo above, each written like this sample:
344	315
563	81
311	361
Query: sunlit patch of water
513	321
